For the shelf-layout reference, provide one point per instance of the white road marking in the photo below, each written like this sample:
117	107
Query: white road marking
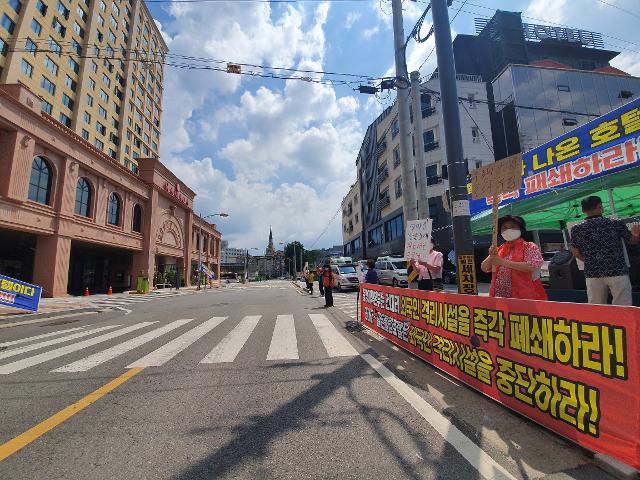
333	341
37	337
36	346
48	319
478	458
96	359
230	346
74	347
167	352
284	344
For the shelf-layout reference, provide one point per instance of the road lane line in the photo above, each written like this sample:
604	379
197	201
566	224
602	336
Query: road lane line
38	337
48	319
333	341
37	346
478	458
12	446
229	347
74	347
284	344
98	358
167	352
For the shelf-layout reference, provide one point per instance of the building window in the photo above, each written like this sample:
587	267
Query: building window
47	85
36	27
64	11
445	171
83	197
87	117
73	65
27	68
101	128
99	144
94	68
46	107
67	102
40	182
396	157
66	121
103	6
569	122
41	7
81	13
7	23
113	211
54	46
105	80
564	88
89	100
102	112
395	129
475	134
393	228
92	84
432	174
50	65
30	47
70	83
16	5
137	218
104	96
375	236
429	140
85	135
75	46
398	184
433	210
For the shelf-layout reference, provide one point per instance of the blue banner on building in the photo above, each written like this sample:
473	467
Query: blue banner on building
19	294
608	144
207	272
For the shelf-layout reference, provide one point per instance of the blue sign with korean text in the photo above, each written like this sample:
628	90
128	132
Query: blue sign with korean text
19	294
608	144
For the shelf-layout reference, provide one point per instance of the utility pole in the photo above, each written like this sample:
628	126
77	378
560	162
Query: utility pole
200	251
402	85
457	166
421	168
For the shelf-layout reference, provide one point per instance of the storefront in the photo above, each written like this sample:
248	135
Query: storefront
73	218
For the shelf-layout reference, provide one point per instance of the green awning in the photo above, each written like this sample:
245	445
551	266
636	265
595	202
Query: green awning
547	210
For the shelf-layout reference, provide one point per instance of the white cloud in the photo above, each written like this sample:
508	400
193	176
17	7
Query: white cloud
352	17
294	143
549	10
628	62
368	33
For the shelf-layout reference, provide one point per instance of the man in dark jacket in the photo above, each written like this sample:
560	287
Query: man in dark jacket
371	276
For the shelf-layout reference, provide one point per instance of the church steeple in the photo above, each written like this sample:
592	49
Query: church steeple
270	248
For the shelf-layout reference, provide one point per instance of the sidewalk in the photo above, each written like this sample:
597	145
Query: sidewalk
59	305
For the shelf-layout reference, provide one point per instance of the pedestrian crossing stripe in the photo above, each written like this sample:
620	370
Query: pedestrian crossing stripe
283	344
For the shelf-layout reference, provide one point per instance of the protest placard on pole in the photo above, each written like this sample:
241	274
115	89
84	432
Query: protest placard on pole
495	179
417	239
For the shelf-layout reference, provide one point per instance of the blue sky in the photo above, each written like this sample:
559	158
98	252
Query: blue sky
282	153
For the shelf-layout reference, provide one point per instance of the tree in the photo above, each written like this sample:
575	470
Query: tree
299	255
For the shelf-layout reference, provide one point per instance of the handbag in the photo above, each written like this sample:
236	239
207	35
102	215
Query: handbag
436	283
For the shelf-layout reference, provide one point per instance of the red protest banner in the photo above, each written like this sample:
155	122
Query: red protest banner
570	367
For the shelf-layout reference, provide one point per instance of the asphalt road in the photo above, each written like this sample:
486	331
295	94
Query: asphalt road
249	382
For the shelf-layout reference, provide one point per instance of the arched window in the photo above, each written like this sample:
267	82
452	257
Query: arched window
113	211
40	182
83	197
137	218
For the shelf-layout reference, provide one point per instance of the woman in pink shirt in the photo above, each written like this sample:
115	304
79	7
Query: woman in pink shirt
430	277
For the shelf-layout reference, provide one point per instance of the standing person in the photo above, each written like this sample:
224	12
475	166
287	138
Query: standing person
305	273
517	263
312	278
320	282
599	243
328	280
372	275
430	272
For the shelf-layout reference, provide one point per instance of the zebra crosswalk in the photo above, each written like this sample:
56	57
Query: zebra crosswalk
283	345
121	300
348	303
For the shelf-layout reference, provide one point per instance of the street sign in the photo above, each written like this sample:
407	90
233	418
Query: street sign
18	294
417	239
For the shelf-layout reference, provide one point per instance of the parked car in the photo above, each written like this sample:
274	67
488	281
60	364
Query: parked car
544	269
346	277
392	271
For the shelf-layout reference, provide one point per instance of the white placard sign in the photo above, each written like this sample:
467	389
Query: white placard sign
417	239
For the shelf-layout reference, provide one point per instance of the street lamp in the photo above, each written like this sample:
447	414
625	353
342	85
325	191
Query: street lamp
223	215
246	262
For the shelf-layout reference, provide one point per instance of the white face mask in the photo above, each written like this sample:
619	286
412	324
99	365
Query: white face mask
511	234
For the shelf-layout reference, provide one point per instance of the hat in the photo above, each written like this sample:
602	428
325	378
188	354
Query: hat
515	219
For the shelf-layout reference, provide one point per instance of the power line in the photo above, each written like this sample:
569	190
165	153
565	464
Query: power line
484	137
434	47
628	12
335	215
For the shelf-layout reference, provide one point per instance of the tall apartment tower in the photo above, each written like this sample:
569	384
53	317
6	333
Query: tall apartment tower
97	65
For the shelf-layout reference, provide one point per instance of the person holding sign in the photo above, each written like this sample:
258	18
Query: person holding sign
430	276
517	263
